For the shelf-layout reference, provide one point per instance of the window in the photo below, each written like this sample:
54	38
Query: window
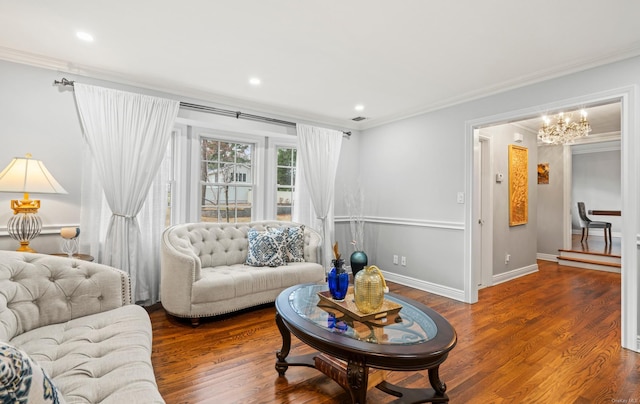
229	176
226	184
286	174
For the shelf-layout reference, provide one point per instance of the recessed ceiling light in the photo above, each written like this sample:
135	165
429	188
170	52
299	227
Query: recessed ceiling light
84	36
254	81
359	107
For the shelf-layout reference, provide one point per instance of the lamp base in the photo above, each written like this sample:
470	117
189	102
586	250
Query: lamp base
24	227
24	247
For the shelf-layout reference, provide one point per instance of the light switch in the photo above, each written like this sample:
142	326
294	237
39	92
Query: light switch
460	197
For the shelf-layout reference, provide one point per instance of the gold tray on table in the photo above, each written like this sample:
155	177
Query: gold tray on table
348	306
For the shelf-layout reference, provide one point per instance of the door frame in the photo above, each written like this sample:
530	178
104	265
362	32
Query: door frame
630	125
483	202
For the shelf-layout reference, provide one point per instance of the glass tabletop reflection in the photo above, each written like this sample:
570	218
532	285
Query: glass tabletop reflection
408	326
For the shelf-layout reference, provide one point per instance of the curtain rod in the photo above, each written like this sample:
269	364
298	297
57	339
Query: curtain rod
213	110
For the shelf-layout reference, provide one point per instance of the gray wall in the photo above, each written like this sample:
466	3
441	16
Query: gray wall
517	241
550	201
41	119
596	182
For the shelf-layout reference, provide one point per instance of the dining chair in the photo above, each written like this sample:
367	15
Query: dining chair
587	224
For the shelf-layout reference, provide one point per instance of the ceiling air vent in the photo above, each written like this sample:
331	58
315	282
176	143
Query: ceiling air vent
358	118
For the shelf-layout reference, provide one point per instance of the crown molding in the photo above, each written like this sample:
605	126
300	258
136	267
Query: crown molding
602	144
284	113
523	81
174	92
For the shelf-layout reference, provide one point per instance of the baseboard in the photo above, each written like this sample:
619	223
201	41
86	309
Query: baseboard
547	257
516	273
436	289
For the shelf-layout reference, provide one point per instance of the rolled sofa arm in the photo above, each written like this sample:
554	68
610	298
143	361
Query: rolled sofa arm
38	290
179	269
312	243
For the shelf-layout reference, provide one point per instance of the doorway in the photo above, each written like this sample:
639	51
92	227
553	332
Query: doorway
629	279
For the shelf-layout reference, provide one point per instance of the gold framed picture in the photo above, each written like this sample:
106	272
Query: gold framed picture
518	185
543	173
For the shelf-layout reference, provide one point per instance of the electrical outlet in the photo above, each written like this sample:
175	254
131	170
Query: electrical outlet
395	259
507	258
403	261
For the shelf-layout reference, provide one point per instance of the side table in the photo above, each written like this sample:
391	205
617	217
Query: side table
84	257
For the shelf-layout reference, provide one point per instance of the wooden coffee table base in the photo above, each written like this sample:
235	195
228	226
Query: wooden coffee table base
355	377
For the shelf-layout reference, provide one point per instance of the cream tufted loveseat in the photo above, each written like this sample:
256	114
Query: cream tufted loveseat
74	319
204	272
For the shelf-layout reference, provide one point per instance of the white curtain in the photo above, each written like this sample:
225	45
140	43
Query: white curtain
317	164
127	135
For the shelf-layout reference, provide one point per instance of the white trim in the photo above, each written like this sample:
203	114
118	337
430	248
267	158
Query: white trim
539	76
513	274
46	229
62	66
436	289
567	168
547	257
406	222
596	147
630	120
176	92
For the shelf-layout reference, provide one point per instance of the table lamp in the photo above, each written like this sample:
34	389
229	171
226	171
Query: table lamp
26	175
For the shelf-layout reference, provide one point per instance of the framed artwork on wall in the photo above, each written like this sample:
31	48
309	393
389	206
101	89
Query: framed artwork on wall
518	185
543	173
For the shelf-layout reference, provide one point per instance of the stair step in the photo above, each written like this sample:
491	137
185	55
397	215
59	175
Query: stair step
590	253
593	262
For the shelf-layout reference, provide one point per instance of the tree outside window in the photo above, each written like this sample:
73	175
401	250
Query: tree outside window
226	181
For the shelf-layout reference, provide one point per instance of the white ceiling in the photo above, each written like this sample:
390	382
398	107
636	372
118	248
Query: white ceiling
318	59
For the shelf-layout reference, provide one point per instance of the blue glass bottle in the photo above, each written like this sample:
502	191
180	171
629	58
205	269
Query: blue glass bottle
338	280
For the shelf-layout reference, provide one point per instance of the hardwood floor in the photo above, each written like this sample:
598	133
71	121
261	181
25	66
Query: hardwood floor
548	337
596	244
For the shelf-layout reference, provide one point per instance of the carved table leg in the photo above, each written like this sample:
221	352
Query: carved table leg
281	363
357	375
436	383
435	394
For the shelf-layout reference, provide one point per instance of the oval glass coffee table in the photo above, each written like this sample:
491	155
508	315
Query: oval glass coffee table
413	338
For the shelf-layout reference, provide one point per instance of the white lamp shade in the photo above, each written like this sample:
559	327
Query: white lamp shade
24	174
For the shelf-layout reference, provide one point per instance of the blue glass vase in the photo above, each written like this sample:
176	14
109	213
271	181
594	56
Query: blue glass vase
338	281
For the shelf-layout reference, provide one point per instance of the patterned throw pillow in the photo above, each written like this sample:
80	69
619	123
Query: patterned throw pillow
294	248
295	244
266	248
24	381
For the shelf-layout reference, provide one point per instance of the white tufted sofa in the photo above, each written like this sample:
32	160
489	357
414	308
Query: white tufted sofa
75	320
204	272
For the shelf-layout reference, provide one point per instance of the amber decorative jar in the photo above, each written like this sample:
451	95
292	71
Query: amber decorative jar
369	288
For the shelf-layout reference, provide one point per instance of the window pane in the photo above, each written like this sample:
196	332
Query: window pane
285	203
224	166
284	176
210	197
285	182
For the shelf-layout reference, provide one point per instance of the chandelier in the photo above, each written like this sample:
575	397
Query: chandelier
564	131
